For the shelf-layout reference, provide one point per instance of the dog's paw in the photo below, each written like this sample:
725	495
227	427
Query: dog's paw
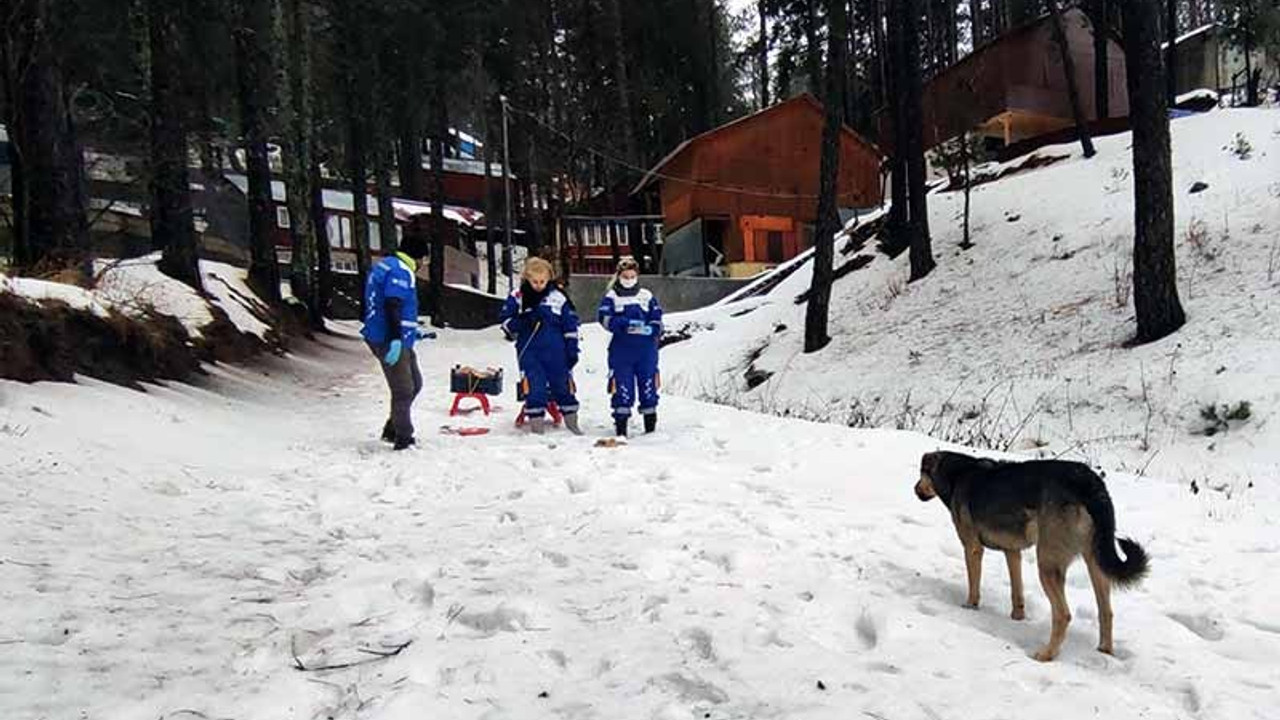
1018	614
971	604
1106	649
1045	654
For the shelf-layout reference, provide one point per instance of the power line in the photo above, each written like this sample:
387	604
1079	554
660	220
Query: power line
646	171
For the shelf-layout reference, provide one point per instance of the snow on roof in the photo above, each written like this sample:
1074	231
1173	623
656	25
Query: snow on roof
342	201
466	167
1187	36
1201	94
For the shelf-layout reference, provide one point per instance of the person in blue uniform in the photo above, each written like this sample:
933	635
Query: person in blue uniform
390	329
633	318
544	325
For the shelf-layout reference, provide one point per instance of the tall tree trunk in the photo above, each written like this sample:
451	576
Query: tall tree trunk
255	63
358	177
899	211
818	310
977	30
1171	52
533	210
1250	79
48	173
621	86
913	116
11	55
490	238
413	183
1073	87
172	223
762	60
813	46
1101	19
440	135
1155	289
324	244
382	161
298	161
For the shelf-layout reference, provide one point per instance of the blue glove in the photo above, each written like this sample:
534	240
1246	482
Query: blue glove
639	327
393	353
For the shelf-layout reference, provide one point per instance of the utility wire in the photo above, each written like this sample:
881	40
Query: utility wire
646	171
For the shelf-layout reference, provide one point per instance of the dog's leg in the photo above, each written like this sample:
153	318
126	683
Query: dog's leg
1014	559
1102	592
1053	578
973	566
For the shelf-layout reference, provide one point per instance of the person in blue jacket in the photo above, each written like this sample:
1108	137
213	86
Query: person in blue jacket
544	325
633	317
390	329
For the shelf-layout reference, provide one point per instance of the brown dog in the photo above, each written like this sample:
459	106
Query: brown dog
1060	507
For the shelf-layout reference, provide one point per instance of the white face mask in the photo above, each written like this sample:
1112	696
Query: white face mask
628	283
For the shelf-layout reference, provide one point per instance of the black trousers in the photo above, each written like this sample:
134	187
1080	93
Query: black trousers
404	380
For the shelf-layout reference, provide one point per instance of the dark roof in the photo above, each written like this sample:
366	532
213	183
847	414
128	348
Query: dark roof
803	98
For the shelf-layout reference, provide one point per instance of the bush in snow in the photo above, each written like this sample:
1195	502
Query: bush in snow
1218	418
1241	147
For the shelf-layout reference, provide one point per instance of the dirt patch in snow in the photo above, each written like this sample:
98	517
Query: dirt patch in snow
53	341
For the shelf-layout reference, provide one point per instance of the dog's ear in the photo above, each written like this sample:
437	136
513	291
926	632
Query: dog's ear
929	462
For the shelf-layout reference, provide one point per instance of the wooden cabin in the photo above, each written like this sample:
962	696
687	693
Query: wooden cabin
743	197
1013	88
1208	59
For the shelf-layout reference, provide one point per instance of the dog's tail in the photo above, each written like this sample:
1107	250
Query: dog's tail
1123	572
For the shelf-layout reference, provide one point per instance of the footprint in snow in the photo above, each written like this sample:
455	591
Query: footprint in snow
1202	625
698	642
499	619
560	560
421	593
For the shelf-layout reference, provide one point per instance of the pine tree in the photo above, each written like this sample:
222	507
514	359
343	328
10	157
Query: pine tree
1155	289
922	262
256	58
818	309
172	221
1069	70
298	153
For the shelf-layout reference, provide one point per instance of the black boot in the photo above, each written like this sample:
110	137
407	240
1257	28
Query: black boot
405	443
620	424
651	422
389	432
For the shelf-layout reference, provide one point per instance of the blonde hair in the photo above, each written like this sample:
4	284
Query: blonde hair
625	264
538	266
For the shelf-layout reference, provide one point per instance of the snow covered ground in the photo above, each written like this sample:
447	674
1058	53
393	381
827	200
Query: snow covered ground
135	286
1017	343
181	554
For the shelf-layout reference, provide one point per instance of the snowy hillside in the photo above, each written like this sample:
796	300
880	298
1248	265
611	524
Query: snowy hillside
136	286
207	551
1017	343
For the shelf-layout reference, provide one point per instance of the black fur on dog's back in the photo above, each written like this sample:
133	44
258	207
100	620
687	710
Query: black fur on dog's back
1097	501
1025	483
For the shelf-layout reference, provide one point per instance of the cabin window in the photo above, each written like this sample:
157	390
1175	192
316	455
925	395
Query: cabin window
375	236
334	228
345	234
282	217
